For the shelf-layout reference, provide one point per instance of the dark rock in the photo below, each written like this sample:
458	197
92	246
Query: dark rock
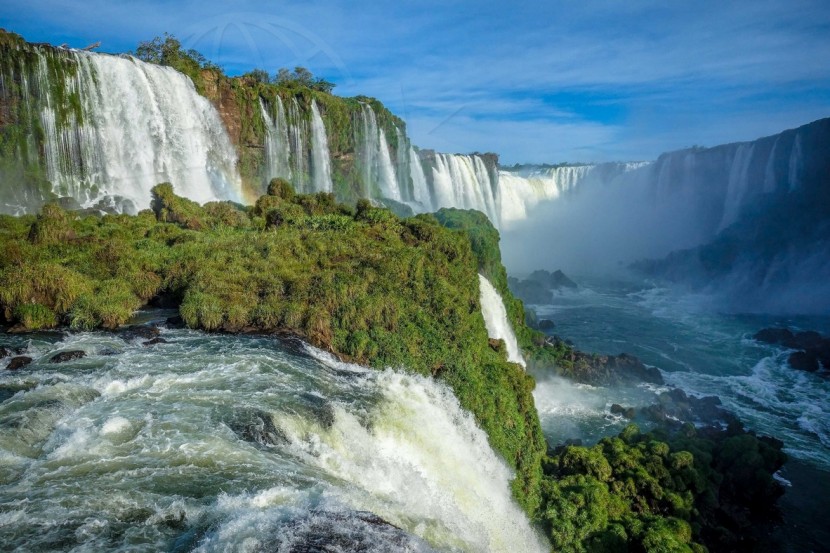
136	332
345	532
108	351
774	336
175	322
675	407
804	361
166	300
65	356
814	349
68	203
17	329
554	280
627	412
496	344
18	362
530	291
154	341
808	340
4	352
559	280
256	426
321	409
610	369
545	324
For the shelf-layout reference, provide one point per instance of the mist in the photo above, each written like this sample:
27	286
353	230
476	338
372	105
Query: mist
601	226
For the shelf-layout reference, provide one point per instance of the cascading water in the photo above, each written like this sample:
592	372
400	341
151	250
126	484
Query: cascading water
402	170
132	126
277	143
241	444
298	133
420	188
320	158
464	182
495	319
377	170
520	192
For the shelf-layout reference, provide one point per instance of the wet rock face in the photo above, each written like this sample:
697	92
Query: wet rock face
611	369
675	407
65	356
255	426
137	332
813	349
18	362
345	532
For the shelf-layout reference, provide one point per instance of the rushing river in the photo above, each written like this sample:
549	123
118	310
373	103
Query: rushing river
239	443
703	352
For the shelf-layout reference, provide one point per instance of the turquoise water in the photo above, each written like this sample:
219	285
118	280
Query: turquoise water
704	352
239	443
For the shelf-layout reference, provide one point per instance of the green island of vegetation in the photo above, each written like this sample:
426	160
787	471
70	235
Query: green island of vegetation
386	291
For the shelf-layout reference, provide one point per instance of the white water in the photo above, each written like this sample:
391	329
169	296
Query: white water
144	124
520	192
378	172
420	189
277	143
136	447
463	181
495	319
298	133
320	158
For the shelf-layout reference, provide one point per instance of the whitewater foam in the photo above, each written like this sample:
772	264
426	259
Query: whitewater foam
495	319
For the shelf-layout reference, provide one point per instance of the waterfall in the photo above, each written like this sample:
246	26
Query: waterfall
320	158
738	184
270	438
463	181
420	189
297	134
524	190
495	319
402	169
115	127
377	170
277	145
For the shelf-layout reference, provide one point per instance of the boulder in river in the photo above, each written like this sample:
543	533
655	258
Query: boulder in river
18	362
65	356
346	532
813	349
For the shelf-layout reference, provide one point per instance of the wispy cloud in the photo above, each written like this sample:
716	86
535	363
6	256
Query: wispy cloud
550	82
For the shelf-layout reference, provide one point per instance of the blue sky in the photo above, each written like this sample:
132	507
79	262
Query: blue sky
533	81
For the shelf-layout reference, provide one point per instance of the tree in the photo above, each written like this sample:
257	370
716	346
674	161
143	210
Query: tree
302	77
258	75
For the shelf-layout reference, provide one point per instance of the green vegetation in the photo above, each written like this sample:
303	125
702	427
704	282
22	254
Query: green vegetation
683	491
302	78
384	291
362	283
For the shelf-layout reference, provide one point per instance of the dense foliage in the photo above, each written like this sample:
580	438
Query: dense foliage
168	51
681	491
362	283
